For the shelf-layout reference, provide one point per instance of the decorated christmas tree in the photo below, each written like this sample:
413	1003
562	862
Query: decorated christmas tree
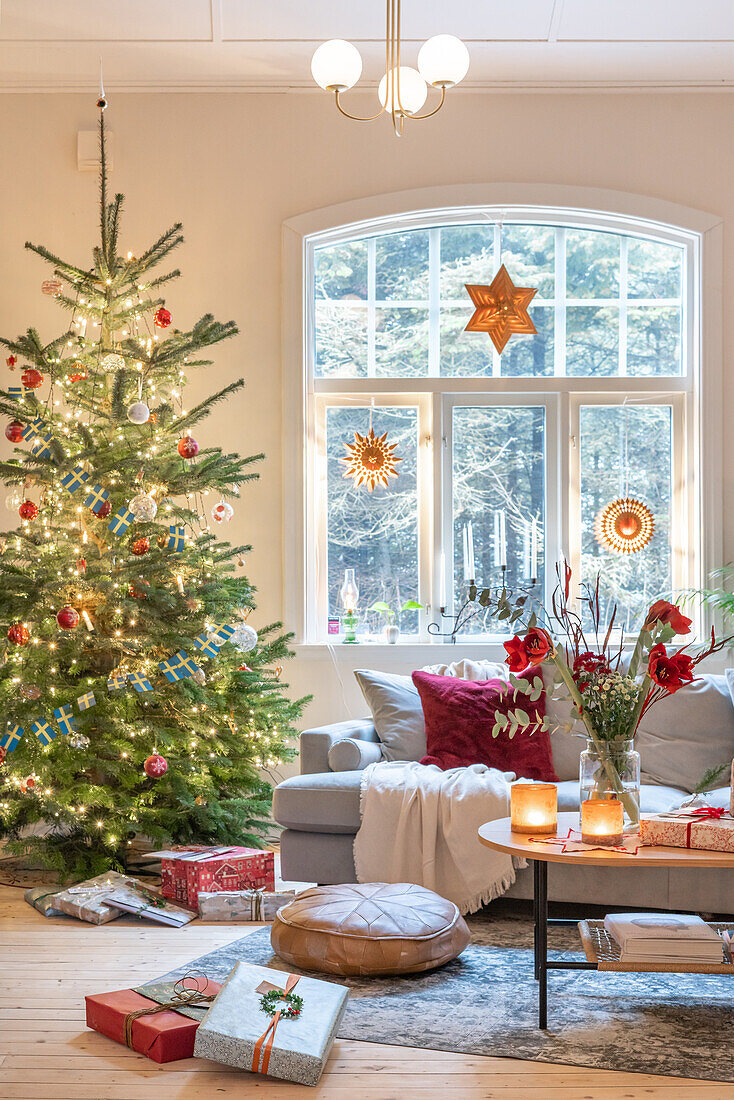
136	699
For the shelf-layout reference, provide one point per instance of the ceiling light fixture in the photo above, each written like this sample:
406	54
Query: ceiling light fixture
443	61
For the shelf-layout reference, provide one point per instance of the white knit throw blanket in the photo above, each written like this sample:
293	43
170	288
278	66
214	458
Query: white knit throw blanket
419	824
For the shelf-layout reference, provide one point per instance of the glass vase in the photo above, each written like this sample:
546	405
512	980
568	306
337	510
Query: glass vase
611	769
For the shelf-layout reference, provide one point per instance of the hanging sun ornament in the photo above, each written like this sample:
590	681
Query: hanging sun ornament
501	309
625	526
371	460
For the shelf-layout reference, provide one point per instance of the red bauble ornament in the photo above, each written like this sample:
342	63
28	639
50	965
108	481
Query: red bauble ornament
3	754
141	546
162	318
32	378
104	510
135	589
11	361
78	372
67	618
188	447
14	431
19	634
156	766
28	510
81	565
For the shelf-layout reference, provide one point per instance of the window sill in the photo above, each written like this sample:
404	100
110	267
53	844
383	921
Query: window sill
404	650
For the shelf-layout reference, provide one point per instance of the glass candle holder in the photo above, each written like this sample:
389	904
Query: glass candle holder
533	807
602	821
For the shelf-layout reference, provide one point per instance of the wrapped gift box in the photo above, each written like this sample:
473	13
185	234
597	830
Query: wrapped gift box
242	905
186	874
147	904
679	830
165	1036
237	1032
42	899
85	900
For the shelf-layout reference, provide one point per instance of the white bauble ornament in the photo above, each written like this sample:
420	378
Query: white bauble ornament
138	413
78	740
13	500
244	638
143	507
113	362
222	512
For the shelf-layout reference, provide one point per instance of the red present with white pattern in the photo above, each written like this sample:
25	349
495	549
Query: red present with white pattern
701	831
184	875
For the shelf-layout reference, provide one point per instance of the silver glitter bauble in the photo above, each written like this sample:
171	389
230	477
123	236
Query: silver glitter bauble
29	691
138	413
199	677
78	740
13	500
113	362
244	638
144	508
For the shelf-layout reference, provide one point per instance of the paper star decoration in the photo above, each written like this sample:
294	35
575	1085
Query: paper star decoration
371	460
501	309
626	526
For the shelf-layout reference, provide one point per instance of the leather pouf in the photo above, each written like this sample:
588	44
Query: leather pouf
369	928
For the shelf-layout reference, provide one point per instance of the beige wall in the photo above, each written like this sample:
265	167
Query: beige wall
233	167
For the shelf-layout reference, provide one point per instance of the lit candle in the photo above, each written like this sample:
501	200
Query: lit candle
470	548
602	821
533	807
534	550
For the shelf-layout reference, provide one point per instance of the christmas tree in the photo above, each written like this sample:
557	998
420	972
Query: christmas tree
137	699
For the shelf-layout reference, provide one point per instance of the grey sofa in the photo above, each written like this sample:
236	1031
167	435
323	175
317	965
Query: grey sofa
319	810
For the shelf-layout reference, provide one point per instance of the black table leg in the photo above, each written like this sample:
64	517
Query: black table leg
540	907
536	865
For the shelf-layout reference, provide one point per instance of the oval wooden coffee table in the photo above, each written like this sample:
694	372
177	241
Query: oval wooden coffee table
600	950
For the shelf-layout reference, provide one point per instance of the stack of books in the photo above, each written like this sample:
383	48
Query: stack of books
664	938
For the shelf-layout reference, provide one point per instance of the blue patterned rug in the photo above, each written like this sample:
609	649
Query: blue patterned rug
485	1002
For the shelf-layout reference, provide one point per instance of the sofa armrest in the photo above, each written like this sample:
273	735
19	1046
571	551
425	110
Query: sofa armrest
315	743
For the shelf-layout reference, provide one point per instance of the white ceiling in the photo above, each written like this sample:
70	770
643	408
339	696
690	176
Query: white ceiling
260	45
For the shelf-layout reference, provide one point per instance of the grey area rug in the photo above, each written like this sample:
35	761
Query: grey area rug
485	1002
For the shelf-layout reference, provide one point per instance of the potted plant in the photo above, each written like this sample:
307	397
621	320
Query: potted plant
392	626
608	698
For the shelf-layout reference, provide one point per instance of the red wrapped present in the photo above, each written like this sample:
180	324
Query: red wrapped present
186	874
159	1031
709	828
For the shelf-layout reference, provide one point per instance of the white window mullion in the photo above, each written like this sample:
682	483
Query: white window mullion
371	307
434	303
496	358
559	331
623	248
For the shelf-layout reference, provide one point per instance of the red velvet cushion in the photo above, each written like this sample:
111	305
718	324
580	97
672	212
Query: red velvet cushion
459	718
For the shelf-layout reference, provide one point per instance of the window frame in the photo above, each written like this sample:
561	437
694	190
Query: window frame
696	396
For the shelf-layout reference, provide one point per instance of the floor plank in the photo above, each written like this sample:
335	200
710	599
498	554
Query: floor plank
46	1050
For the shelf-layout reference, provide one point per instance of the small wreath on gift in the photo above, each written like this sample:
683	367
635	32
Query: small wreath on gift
293	1004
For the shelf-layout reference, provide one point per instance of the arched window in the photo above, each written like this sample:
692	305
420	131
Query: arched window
506	460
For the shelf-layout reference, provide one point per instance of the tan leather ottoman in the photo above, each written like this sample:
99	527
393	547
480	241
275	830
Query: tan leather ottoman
369	928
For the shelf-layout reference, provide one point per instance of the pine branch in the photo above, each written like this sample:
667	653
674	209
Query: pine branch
200	411
68	271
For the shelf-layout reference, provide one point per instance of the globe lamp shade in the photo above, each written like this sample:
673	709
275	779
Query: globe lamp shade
443	61
336	65
411	95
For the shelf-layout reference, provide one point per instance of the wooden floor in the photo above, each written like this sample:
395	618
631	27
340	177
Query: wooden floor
46	1052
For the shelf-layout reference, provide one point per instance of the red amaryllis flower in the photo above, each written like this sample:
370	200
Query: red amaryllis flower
517	657
537	645
669	672
669	614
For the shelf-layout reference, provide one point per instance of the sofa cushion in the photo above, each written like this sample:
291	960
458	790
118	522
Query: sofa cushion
396	706
351	754
654	799
396	712
460	716
687	733
327	802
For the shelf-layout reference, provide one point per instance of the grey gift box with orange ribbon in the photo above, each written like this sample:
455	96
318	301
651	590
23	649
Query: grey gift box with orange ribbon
239	1032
